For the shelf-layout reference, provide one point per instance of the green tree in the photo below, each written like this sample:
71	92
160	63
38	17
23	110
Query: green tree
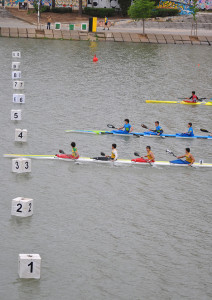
124	4
141	10
194	11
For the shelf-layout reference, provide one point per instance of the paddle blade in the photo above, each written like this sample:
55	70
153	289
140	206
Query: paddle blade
134	134
110	126
102	153
204	130
169	151
144	126
137	154
61	151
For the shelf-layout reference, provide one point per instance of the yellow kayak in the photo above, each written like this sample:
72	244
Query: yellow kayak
178	102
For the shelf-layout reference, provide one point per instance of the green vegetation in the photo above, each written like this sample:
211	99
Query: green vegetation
194	11
99	12
164	12
124	4
42	7
61	10
141	10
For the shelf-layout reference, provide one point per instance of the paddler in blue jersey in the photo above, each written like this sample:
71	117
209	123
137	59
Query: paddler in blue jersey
190	131
189	158
158	129
127	127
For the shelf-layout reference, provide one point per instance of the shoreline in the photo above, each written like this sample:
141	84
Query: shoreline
149	38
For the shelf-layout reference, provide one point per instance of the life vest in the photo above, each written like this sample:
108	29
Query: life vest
188	159
149	156
113	153
74	152
194	98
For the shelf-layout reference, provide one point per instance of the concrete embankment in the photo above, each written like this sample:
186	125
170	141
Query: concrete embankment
105	36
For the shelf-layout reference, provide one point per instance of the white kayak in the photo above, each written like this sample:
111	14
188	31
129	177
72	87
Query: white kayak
117	162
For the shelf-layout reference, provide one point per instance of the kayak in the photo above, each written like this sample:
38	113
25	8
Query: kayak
179	102
144	134
64	157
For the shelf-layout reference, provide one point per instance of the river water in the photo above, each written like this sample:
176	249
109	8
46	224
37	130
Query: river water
106	232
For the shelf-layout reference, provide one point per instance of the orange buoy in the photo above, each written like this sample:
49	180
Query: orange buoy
95	59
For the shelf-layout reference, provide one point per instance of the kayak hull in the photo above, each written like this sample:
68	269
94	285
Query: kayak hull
143	134
179	102
117	162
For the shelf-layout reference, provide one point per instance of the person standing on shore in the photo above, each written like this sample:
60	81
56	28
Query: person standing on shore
106	23
49	20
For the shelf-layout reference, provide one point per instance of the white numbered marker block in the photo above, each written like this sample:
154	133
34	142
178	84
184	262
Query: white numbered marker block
18	98
16	54
18	85
21	165
21	135
16	74
16	65
22	207
29	266
16	114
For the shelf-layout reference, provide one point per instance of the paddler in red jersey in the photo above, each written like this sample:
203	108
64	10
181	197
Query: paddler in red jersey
193	98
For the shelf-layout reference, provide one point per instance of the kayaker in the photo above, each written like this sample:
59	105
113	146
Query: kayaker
150	156
189	157
158	129
190	129
114	153
193	98
75	154
189	133
127	127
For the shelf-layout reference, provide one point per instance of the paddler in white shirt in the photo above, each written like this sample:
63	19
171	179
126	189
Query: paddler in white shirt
114	153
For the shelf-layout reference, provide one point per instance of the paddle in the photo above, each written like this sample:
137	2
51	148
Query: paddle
144	126
137	154
111	126
205	130
170	152
153	130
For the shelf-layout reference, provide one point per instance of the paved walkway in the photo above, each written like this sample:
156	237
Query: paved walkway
7	20
14	23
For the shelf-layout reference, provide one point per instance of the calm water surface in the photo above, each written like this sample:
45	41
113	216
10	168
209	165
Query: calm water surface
106	232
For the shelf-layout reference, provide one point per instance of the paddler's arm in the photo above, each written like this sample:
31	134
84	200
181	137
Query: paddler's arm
131	129
181	156
152	157
192	159
121	128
